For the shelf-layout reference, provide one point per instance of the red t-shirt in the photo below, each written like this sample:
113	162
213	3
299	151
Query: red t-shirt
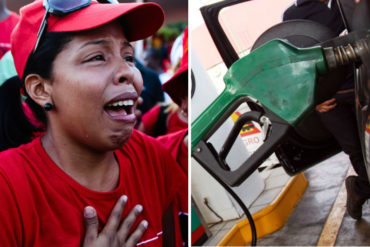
42	206
6	27
174	142
173	123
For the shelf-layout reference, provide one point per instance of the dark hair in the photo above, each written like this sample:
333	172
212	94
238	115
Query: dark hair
15	127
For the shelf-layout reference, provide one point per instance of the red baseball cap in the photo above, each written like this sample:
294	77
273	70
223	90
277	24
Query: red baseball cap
177	85
140	20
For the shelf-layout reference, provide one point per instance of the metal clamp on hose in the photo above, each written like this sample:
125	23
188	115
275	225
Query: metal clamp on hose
353	48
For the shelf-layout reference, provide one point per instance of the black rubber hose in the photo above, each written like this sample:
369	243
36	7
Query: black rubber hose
243	207
246	211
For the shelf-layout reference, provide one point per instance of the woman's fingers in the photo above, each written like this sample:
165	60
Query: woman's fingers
137	234
329	101
91	224
116	232
128	222
327	108
326	105
330	107
115	217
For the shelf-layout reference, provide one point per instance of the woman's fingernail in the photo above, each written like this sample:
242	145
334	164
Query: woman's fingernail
124	198
89	212
145	223
139	208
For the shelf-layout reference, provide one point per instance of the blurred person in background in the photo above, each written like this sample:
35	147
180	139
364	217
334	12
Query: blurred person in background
176	142
8	20
170	116
338	113
163	119
152	93
153	59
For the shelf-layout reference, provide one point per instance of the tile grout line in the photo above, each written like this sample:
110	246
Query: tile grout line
334	221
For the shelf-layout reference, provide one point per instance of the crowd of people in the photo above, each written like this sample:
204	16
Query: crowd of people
74	168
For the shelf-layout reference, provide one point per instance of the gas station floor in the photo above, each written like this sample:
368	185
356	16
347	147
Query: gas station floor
320	217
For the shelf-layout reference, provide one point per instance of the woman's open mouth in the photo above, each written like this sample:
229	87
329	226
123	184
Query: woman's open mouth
121	110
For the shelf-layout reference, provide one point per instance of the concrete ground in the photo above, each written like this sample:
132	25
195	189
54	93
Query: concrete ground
323	197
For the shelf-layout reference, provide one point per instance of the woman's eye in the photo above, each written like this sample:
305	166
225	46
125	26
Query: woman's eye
130	59
96	58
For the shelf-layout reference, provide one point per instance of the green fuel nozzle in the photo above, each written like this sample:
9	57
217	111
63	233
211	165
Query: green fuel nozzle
279	75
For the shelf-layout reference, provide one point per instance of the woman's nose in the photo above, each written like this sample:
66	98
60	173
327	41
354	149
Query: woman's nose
122	79
124	73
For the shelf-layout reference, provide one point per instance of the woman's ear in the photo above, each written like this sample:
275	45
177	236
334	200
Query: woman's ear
39	89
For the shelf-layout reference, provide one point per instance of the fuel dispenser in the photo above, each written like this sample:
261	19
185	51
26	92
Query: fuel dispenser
286	81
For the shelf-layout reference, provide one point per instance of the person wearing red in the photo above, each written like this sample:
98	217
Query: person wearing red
44	205
163	119
89	179
177	142
8	20
177	89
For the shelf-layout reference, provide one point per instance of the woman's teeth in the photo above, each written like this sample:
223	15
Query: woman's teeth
122	103
121	110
